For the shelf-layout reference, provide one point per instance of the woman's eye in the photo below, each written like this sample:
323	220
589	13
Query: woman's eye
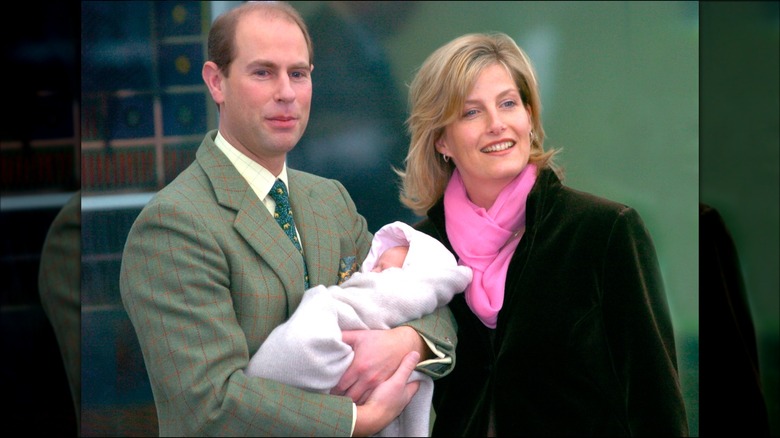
470	113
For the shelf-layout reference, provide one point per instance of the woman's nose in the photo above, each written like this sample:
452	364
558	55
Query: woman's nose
497	126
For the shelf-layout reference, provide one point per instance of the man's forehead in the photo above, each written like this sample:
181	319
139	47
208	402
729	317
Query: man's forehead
259	19
263	30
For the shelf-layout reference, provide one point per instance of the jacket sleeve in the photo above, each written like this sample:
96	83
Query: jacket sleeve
175	284
438	329
639	329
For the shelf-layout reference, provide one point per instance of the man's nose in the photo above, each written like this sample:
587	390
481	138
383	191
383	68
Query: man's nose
284	90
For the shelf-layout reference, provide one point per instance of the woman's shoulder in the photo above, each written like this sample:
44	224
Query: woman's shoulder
600	216
574	200
580	207
592	202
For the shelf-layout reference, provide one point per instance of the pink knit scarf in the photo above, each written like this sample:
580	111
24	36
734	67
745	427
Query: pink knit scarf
486	239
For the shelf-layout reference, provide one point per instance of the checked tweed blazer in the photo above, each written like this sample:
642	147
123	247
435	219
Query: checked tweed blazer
207	274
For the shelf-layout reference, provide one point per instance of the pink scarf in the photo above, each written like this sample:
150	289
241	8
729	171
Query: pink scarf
486	239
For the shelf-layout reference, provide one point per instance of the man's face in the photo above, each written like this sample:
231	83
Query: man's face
266	98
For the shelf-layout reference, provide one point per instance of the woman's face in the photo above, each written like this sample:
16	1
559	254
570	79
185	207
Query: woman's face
490	141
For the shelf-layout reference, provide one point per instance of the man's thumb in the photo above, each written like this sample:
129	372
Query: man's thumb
408	364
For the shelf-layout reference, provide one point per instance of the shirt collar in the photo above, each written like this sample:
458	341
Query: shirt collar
258	177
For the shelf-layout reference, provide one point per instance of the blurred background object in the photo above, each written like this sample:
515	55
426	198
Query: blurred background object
732	389
59	286
39	150
145	110
356	130
740	178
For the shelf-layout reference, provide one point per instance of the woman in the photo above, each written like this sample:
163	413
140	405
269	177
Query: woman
565	328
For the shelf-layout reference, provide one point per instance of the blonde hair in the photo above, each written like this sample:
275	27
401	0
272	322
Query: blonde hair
436	96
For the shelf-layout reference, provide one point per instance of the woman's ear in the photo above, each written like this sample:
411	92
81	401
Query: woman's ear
440	146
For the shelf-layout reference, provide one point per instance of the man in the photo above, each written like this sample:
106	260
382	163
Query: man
207	272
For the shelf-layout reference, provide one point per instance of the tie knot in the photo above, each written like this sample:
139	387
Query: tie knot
279	191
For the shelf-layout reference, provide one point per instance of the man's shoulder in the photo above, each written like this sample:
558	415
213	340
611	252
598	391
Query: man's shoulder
190	187
307	177
309	181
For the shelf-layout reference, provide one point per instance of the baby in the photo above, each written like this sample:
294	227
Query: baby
392	258
406	275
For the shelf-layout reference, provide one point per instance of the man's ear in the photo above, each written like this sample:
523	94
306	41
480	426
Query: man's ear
212	76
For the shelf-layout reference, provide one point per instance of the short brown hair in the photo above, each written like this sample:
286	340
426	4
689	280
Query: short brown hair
221	43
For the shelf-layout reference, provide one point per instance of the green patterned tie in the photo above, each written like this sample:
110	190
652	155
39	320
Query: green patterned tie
284	216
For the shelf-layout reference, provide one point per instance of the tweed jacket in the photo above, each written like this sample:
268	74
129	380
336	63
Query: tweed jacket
583	344
207	274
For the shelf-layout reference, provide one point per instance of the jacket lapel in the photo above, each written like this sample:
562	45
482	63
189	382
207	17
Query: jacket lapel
252	221
317	229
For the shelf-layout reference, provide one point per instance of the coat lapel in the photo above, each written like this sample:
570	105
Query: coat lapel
264	235
317	229
252	220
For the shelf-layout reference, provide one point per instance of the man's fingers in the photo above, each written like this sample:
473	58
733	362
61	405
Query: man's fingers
364	398
407	365
411	389
346	382
349	337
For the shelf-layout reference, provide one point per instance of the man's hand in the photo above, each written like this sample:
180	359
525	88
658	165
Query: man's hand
387	400
378	354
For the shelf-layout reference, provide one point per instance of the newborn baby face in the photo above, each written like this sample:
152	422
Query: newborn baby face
391	258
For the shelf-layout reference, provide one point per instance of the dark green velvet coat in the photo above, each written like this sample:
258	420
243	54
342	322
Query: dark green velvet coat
584	342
